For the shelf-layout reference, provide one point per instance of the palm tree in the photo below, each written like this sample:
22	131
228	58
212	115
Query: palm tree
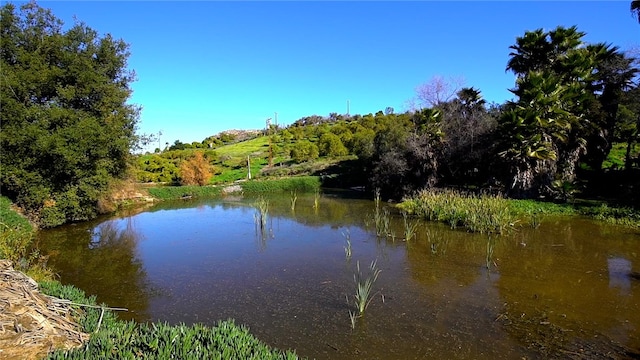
635	9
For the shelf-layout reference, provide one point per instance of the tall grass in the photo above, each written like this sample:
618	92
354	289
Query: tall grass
484	214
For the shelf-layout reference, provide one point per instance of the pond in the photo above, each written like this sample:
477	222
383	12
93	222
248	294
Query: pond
568	288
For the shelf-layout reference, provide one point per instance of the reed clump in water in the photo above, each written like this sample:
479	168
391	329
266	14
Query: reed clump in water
486	214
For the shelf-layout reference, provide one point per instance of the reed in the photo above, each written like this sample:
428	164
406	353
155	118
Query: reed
294	199
490	248
347	248
487	214
316	200
364	285
409	227
262	213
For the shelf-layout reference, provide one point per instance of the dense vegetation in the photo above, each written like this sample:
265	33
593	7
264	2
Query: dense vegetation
67	129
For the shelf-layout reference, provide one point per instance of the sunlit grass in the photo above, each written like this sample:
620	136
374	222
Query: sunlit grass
484	214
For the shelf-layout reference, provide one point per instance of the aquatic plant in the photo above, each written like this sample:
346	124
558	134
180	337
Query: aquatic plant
316	200
262	213
364	285
294	198
347	248
409	227
486	214
490	248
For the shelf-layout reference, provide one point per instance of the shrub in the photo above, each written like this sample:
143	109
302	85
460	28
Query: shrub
195	171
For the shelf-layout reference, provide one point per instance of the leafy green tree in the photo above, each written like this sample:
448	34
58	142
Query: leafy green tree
304	150
331	145
67	128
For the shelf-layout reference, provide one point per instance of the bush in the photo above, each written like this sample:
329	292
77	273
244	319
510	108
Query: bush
331	145
195	171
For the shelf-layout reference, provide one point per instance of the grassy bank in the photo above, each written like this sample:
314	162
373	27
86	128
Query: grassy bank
299	184
16	236
179	192
494	214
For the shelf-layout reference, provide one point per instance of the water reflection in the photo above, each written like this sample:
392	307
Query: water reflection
102	260
446	293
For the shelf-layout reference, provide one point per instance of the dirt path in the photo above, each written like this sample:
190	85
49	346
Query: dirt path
31	323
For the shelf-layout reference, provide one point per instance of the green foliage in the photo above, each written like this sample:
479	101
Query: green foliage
16	235
87	317
484	214
128	340
364	286
304	151
67	128
178	192
331	145
298	184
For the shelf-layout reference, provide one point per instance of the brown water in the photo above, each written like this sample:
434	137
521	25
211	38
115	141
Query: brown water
563	290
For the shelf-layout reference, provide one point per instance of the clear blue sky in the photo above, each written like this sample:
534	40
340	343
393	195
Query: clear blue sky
208	66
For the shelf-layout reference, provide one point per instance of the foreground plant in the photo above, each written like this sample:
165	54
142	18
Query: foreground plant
364	285
409	227
262	213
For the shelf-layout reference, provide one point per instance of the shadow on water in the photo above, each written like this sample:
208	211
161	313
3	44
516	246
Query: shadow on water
563	290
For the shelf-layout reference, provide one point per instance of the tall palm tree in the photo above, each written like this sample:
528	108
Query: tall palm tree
635	9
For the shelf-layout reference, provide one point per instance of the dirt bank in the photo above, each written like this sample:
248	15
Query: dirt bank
31	323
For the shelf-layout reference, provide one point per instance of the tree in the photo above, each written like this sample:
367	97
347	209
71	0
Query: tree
567	95
436	91
196	170
466	124
635	9
67	128
331	145
304	150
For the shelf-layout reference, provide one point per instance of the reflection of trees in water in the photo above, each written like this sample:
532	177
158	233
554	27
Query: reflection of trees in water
108	249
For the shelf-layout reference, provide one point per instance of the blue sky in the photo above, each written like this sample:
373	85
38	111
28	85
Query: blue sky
208	66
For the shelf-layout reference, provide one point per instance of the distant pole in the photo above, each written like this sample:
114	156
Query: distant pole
348	107
159	134
249	167
276	120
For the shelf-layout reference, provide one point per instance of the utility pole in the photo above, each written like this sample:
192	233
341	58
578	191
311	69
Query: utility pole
249	167
348	108
276	120
159	134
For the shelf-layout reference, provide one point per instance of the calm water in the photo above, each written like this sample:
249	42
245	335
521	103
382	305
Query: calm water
564	288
